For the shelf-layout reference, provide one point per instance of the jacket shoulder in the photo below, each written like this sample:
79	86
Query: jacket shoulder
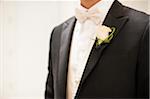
136	16
64	23
57	29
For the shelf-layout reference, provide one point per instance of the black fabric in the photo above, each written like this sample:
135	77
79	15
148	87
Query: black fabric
119	69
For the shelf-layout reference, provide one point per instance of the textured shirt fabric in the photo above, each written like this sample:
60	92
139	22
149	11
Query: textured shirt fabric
82	42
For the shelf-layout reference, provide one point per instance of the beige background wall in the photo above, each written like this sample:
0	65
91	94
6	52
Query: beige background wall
25	27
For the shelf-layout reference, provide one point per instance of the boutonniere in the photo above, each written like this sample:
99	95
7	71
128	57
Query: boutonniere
104	34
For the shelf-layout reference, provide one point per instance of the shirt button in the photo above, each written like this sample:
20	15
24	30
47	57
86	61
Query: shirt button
77	82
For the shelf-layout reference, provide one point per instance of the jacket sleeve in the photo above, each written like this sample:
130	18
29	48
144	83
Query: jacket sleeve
143	66
49	92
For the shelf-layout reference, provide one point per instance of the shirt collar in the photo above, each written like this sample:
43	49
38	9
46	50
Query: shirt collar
103	6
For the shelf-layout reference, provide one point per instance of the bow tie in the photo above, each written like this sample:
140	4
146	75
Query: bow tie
93	15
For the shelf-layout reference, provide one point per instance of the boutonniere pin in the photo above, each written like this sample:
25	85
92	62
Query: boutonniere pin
104	34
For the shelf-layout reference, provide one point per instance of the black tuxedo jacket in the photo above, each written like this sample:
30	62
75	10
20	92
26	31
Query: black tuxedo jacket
119	69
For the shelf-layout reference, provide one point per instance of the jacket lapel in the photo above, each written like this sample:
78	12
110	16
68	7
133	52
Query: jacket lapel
65	41
115	18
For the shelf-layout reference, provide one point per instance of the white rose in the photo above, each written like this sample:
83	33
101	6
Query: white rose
102	32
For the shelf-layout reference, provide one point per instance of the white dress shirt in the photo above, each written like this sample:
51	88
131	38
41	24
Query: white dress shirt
82	42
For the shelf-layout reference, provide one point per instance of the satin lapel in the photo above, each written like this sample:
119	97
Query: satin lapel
115	18
66	37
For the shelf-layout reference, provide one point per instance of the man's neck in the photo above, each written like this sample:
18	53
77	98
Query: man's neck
89	3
